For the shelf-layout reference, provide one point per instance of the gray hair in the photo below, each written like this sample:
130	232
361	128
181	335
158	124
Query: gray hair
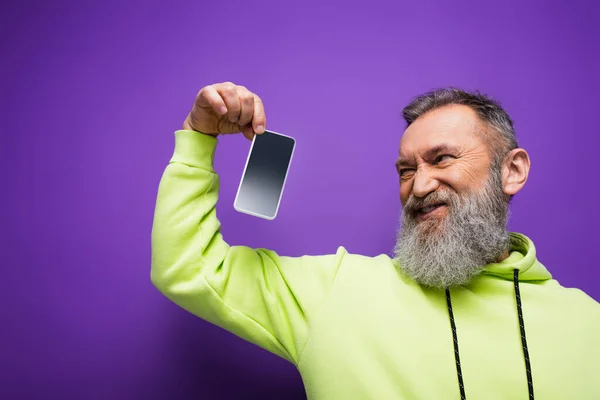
501	137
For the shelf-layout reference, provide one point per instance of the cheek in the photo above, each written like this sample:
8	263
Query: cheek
463	178
404	192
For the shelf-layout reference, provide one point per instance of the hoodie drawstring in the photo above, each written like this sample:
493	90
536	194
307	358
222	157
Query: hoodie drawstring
461	385
523	340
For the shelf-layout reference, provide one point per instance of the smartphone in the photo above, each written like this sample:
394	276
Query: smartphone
261	187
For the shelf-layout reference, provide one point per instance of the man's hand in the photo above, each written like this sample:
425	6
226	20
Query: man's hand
226	108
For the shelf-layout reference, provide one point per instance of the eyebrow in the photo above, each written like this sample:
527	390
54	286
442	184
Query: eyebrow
429	154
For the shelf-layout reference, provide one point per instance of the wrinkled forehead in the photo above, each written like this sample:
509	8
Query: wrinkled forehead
453	126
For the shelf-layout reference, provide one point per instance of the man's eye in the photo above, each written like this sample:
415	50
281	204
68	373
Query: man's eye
443	157
405	171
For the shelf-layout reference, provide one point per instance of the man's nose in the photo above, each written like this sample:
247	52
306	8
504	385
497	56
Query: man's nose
424	183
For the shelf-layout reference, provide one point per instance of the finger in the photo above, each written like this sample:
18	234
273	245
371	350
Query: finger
248	132
259	120
229	94
247	105
209	96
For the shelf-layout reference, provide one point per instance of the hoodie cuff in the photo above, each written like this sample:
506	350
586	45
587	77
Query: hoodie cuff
194	149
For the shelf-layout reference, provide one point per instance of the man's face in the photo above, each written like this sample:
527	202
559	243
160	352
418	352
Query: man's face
455	210
442	149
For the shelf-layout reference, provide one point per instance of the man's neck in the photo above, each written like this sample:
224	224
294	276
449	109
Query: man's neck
504	256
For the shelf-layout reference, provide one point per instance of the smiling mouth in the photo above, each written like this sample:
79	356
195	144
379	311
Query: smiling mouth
430	208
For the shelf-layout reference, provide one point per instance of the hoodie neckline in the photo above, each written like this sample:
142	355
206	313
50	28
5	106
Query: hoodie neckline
522	256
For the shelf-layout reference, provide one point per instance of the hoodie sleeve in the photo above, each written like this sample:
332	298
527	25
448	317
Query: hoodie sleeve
256	294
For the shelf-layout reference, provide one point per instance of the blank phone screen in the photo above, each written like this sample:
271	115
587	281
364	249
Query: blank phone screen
267	166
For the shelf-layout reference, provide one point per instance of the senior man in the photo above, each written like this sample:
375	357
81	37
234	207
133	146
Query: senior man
463	310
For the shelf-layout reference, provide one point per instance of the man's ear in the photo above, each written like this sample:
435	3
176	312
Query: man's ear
515	170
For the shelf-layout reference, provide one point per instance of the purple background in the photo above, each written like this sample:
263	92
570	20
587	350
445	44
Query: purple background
91	95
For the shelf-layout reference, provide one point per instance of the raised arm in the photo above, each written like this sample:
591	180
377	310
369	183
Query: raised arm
256	294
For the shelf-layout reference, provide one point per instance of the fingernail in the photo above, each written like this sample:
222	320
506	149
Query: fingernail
234	119
260	129
223	110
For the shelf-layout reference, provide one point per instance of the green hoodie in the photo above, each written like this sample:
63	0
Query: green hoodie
357	327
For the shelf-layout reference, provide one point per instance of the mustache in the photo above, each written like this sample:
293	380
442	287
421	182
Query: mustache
414	204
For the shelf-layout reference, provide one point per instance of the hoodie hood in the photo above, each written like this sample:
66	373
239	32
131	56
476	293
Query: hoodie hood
522	257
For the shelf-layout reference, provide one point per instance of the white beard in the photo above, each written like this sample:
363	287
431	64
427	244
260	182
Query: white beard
448	252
